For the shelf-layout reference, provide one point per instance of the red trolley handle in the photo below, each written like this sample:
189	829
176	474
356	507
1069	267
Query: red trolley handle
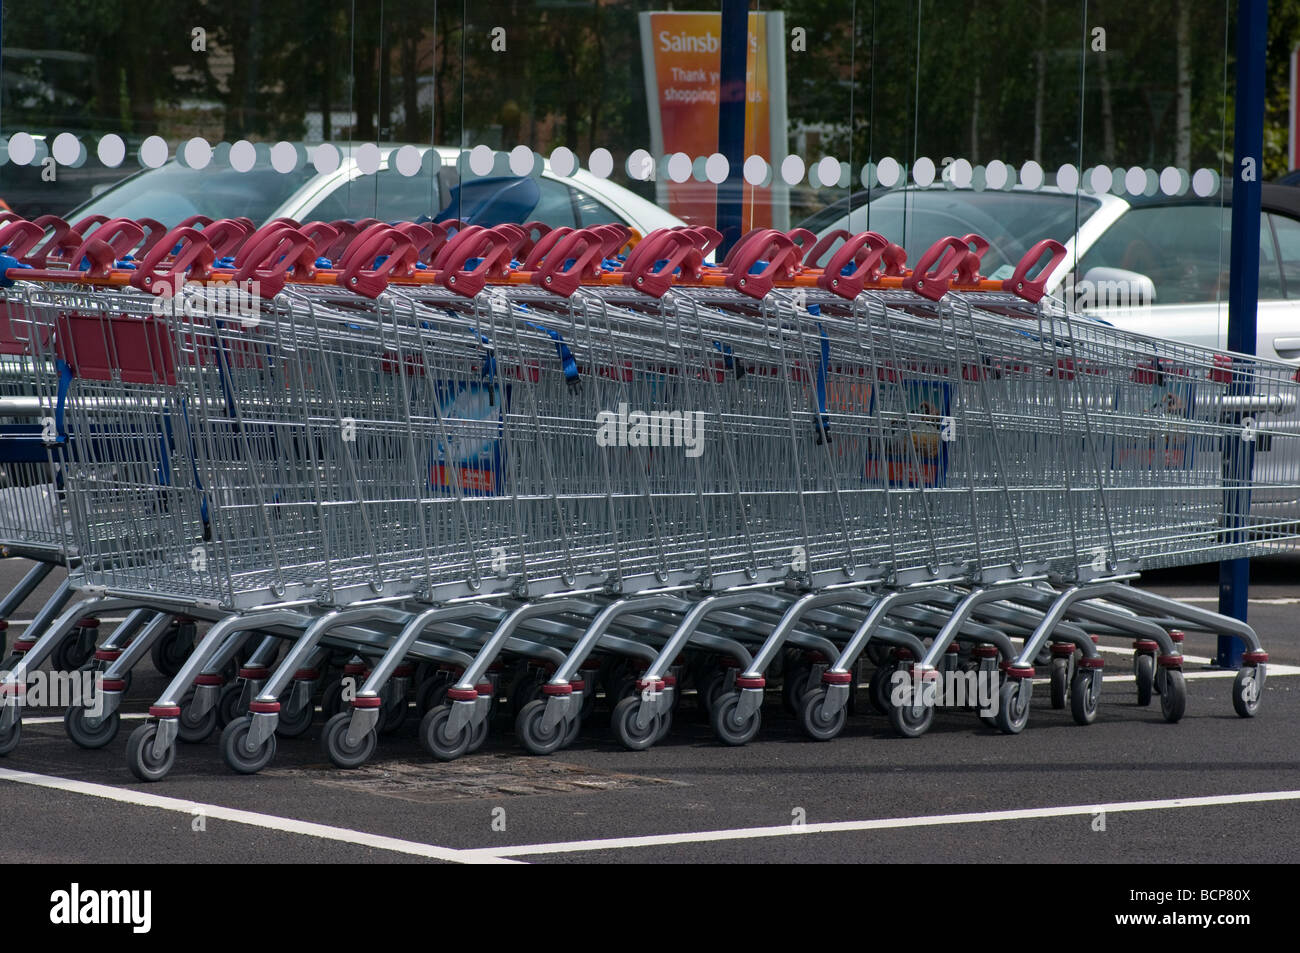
106	244
1033	289
583	248
195	221
357	271
686	255
322	234
226	236
194	255
781	254
934	272
268	260
451	249
541	228
21	236
491	245
543	246
824	245
850	285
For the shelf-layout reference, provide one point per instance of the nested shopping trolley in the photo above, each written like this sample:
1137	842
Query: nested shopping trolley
646	473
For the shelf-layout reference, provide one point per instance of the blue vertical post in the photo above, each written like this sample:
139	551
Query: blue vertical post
1243	288
731	119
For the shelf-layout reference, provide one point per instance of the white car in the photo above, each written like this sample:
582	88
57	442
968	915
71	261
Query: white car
174	192
1157	265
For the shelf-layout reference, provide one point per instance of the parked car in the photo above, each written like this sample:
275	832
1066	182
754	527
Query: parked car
174	192
1157	265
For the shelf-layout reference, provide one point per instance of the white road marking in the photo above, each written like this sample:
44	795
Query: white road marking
286	825
1281	601
880	824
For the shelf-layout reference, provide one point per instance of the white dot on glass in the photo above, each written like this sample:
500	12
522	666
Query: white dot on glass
22	148
1135	180
888	172
197	153
1031	175
408	161
153	152
67	148
111	150
1067	178
755	170
679	167
1203	182
962	173
792	170
600	163
640	165
995	176
923	171
1099	179
481	160
1171	180
563	161
717	168
521	160
326	158
284	157
828	172
242	155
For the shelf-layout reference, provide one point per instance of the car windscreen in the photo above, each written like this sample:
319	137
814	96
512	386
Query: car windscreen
1012	222
173	193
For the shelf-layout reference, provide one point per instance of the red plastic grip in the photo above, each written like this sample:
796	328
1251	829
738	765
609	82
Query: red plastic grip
226	236
541	228
195	254
781	254
850	285
357	272
543	246
492	246
935	270
824	245
582	247
1033	289
107	243
21	236
686	255
269	259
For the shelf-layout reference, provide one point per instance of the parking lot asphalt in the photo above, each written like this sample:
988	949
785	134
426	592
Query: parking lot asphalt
1129	787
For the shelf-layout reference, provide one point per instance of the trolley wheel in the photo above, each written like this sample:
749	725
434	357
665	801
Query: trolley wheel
589	701
335	741
479	735
793	687
536	738
227	707
140	756
877	654
525	689
9	739
70	654
1085	692
814	721
87	732
852	706
623	723
295	724
1246	693
1059	677
431	693
237	755
94	666
1144	670
713	690
394	716
1013	707
911	722
437	740
195	729
879	687
729	728
574	729
1173	700
171	650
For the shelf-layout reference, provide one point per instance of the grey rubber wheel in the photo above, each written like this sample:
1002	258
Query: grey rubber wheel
1144	670
236	753
1013	707
911	722
171	649
1059	678
432	693
531	733
879	687
72	652
729	728
140	756
436	738
87	732
228	708
574	730
623	723
814	721
295	724
1246	693
195	729
1173	700
335	741
1084	696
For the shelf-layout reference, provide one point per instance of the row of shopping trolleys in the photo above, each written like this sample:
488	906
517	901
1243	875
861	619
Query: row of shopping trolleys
551	649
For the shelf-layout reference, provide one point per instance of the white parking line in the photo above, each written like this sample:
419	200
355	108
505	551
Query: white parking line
879	824
286	825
